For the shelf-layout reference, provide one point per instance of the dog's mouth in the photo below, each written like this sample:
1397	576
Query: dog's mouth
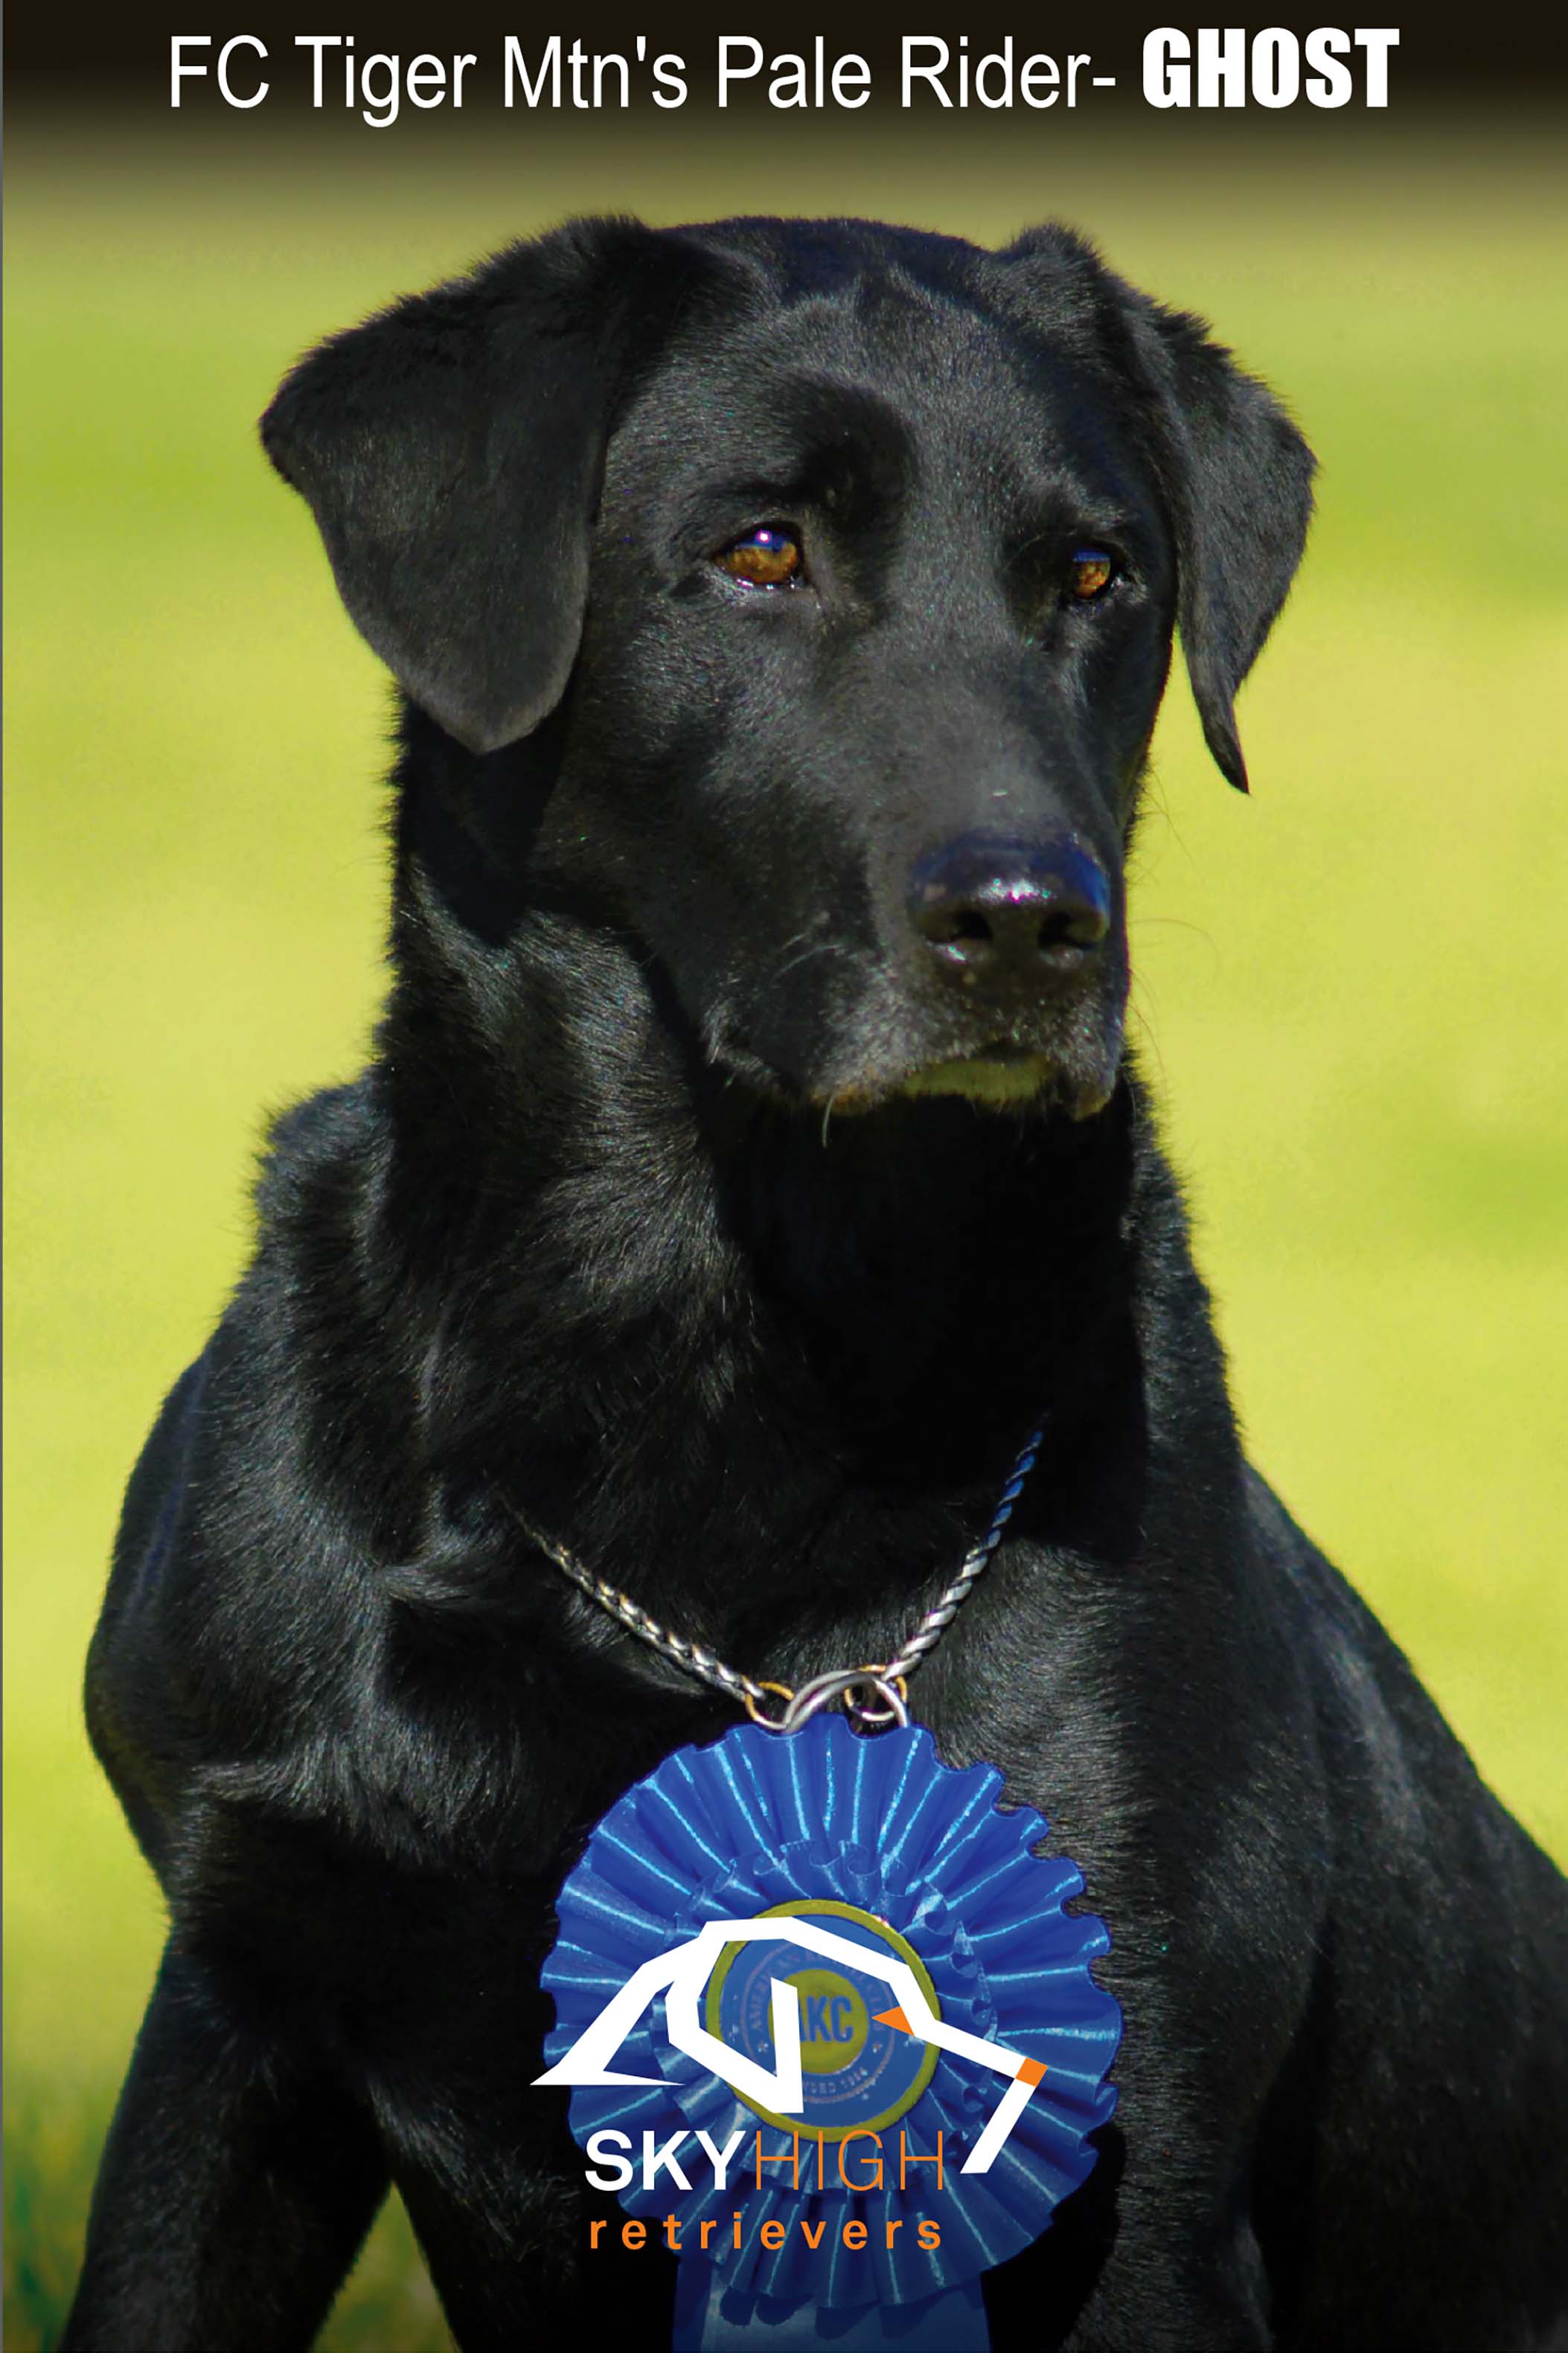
1059	1060
1000	1072
1001	1076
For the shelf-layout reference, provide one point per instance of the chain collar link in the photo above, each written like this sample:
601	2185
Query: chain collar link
873	1697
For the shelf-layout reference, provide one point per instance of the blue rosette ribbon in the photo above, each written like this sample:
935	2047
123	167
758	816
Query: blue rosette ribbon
878	1843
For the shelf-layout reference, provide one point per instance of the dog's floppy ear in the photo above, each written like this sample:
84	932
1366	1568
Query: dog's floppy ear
1240	477
451	448
1236	475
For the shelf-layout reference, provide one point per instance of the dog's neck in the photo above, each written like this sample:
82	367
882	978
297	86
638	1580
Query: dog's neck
716	1307
947	1274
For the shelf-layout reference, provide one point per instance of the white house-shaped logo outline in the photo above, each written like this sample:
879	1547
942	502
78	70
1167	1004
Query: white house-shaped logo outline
683	1974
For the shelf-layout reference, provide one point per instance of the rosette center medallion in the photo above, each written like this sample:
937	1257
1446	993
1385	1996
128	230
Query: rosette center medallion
860	2071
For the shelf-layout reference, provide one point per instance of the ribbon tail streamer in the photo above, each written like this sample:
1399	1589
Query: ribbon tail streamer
711	2319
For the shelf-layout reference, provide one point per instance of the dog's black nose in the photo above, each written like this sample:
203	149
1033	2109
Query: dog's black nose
1010	913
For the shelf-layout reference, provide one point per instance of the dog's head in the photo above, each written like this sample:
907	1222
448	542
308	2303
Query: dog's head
843	562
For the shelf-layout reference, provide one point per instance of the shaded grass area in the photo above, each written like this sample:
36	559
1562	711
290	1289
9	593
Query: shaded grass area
1349	990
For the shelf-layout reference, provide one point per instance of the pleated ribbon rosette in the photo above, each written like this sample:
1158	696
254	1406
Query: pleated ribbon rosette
864	1835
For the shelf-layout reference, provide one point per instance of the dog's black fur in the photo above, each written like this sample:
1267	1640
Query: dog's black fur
645	1220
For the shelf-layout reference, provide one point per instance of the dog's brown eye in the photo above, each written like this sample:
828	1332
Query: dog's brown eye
1091	573
767	558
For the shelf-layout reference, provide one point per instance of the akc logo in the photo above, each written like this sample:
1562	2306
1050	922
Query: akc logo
831	2072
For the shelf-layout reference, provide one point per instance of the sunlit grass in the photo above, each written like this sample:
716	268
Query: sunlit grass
1352	984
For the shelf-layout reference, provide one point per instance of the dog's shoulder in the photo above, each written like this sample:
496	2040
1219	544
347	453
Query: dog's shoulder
1407	1795
318	1156
244	1517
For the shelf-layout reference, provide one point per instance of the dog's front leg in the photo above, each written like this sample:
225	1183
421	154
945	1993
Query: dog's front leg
1121	2271
236	2185
523	2259
1170	2288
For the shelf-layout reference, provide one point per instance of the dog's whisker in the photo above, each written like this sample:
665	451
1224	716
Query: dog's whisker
843	949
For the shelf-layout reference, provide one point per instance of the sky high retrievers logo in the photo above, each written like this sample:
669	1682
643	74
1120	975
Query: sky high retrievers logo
794	2015
828	1935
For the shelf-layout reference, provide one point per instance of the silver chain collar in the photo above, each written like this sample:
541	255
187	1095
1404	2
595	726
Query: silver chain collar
873	1697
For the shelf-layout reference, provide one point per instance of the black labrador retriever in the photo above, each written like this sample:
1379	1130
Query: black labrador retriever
749	1156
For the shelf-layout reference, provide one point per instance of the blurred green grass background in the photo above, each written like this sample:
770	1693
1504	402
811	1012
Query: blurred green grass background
1352	987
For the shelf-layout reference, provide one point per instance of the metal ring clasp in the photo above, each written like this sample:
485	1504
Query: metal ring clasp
771	1723
821	1690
